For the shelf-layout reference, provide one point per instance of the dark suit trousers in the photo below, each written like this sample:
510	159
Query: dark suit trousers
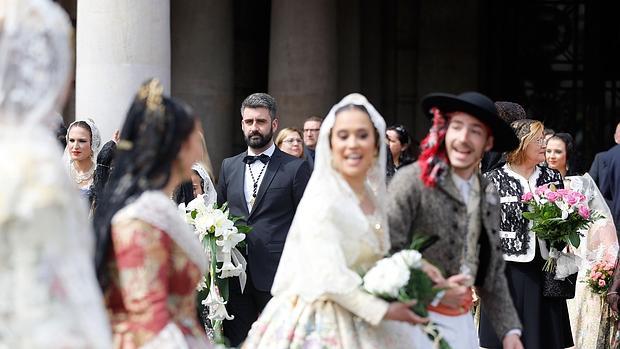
245	307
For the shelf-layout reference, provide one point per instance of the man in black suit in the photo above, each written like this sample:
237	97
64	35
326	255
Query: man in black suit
265	185
598	169
610	183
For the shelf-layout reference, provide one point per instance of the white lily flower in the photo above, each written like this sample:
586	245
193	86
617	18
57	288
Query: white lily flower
205	222
228	268
198	204
230	230
202	284
216	305
231	242
222	223
566	209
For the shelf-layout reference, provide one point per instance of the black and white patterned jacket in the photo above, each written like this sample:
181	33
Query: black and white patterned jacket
517	240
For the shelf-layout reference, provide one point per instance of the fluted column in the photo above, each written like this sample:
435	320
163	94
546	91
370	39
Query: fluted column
120	44
303	58
202	69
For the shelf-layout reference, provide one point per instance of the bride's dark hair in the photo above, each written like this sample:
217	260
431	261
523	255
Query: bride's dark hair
151	138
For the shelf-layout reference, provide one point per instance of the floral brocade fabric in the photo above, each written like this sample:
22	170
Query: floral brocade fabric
153	285
293	323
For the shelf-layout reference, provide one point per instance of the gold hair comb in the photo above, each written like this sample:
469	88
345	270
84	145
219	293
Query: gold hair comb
152	93
124	144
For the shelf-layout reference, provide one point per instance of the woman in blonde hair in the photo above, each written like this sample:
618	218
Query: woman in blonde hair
291	141
545	320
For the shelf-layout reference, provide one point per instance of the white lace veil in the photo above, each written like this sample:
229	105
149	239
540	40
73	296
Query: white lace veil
49	296
95	142
329	222
599	241
35	62
208	188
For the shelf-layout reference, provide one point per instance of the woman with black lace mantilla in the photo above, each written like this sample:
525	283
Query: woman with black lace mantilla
545	320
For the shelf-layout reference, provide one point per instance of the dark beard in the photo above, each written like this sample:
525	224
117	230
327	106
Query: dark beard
258	143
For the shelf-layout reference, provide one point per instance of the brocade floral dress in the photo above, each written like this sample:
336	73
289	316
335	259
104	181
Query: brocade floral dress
151	299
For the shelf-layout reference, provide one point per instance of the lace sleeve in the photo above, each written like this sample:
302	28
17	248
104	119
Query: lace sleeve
362	304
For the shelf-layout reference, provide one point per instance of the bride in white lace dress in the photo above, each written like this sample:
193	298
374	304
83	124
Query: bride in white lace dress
338	233
49	296
590	317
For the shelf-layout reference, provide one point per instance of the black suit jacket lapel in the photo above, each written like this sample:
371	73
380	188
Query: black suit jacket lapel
272	168
238	182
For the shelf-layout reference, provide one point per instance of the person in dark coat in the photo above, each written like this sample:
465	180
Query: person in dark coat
610	184
444	195
598	169
264	186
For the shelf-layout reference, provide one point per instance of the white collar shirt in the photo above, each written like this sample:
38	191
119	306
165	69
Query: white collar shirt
463	185
254	174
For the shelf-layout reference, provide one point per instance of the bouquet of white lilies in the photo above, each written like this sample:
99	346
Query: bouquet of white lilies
221	235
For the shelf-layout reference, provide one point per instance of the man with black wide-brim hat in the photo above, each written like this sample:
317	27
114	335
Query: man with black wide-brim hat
444	196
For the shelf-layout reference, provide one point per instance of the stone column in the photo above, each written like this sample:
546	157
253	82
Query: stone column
303	58
202	69
120	44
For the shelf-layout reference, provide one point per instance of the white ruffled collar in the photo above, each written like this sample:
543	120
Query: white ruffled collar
155	208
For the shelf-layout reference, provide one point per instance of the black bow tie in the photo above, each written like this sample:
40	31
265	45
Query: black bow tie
251	159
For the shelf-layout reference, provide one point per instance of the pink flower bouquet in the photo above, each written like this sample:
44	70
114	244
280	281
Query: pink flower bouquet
599	277
557	216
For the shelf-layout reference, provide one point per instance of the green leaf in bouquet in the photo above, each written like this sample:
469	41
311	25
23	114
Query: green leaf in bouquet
421	242
530	215
222	285
244	229
574	239
420	288
224	206
194	213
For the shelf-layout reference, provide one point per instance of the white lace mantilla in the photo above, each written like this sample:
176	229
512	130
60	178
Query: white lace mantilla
49	295
154	208
331	241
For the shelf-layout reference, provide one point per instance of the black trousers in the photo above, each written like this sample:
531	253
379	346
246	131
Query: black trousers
245	307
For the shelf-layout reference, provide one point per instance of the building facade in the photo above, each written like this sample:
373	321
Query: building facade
554	57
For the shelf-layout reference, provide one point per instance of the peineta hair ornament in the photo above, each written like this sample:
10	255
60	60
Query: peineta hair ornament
151	93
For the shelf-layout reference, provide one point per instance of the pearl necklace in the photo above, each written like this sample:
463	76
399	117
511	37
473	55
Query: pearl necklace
81	178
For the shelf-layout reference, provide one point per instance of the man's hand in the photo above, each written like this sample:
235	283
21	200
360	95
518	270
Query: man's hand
512	341
457	291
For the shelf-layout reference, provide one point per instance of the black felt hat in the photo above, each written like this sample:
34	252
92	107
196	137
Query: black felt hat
479	106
